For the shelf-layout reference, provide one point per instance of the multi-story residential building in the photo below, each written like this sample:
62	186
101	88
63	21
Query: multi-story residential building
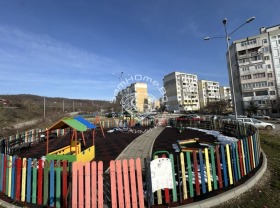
181	91
256	69
225	94
208	92
135	97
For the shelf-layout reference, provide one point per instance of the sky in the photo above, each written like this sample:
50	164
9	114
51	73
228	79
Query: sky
83	49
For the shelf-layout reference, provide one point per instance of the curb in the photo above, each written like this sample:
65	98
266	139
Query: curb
221	198
7	205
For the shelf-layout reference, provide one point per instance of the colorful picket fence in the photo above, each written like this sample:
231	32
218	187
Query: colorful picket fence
37	182
125	182
201	172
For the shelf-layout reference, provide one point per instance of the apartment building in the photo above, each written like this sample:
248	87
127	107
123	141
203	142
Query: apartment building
135	97
181	92
208	92
225	94
256	70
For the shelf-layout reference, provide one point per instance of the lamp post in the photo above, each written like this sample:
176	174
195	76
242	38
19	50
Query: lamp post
227	37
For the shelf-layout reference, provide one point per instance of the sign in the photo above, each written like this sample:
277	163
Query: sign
161	174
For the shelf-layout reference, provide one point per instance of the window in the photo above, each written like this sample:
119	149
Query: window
277	61
259	75
272	93
274	43
264	40
258	66
269	75
275	52
256	58
265	49
266	58
246	77
242	61
268	66
270	84
248	94
261	93
245	69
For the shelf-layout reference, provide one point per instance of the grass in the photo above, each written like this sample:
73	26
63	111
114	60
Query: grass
266	193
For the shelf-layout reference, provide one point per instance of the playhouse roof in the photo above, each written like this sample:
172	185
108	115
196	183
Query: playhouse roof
80	124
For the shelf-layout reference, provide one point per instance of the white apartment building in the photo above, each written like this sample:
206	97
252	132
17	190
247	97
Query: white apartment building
208	92
256	69
181	91
225	94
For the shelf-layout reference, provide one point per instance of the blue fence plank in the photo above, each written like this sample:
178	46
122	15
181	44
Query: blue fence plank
202	177
234	164
13	196
28	185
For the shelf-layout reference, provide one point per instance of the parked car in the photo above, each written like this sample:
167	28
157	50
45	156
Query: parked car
257	123
260	116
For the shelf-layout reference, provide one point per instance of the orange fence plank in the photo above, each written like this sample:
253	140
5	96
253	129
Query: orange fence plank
113	184
93	185
140	183
120	184
87	185
100	184
81	185
133	183
126	183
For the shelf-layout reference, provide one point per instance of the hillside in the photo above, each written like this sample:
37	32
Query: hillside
24	107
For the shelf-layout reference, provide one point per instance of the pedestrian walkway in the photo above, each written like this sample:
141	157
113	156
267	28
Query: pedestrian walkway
142	146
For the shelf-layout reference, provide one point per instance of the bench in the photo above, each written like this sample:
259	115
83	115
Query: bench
206	125
18	145
230	129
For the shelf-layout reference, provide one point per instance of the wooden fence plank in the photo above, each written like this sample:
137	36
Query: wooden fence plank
207	165
18	179
13	177
113	184
58	184
213	166
23	180
100	184
133	183
40	182
183	173
219	171
195	167
237	160
234	162
245	157
1	171
120	184
229	164
4	174
126	183
51	186
46	182
64	184
252	152
224	165
74	184
81	185
202	177
9	173
189	168
94	184
87	185
34	181
166	190
159	195
174	190
140	183
28	184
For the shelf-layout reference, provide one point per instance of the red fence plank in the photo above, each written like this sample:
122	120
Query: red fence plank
40	181
139	183
74	184
113	184
219	170
100	184
126	183
81	185
93	185
120	184
195	167
133	183
87	185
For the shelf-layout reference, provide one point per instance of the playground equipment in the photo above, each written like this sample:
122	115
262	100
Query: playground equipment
72	152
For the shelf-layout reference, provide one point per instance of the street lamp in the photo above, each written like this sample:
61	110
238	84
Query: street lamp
227	37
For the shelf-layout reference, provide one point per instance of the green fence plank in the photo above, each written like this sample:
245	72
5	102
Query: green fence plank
174	190
189	167
34	181
213	165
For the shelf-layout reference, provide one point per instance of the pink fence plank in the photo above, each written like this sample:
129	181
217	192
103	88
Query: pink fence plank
120	184
81	185
140	182
113	184
100	184
87	185
126	183
74	184
133	183
93	185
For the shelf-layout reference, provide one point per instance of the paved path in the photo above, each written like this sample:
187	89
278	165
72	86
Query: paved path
142	146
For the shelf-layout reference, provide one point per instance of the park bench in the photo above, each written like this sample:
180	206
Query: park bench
17	145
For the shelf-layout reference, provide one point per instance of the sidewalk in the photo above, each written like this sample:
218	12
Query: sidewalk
142	146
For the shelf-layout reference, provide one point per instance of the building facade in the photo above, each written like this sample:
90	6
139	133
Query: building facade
256	70
225	94
135	98
181	92
208	92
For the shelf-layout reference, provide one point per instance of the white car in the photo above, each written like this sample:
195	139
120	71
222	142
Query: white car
257	123
260	116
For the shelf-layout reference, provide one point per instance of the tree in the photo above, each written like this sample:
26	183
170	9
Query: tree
252	108
216	107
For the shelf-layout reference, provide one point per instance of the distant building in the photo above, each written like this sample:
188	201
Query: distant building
135	97
208	92
256	70
225	94
181	91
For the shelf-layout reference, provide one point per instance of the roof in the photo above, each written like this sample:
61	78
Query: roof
79	123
